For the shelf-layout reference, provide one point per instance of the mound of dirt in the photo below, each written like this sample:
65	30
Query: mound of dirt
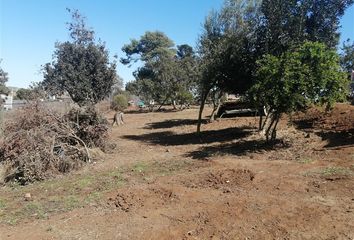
126	201
133	200
340	118
221	179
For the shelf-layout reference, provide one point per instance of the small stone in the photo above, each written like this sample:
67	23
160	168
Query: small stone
28	197
167	150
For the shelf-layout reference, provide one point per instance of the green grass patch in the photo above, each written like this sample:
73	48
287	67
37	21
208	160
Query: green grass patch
329	171
2	204
75	191
140	167
305	160
56	195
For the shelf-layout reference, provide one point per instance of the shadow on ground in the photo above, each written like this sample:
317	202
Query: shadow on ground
169	138
240	148
338	139
145	110
172	123
334	138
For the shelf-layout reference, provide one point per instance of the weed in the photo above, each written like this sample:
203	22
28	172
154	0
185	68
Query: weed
34	209
85	182
12	221
336	171
2	204
71	202
305	160
140	167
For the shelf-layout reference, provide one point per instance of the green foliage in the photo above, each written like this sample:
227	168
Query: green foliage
152	47
347	56
81	67
119	102
238	35
34	92
184	97
132	87
287	23
166	71
308	75
3	79
227	46
228	49
155	51
347	63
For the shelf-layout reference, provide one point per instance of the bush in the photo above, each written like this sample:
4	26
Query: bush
119	102
39	143
89	126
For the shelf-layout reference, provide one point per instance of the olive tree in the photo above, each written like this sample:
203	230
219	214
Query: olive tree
80	67
310	74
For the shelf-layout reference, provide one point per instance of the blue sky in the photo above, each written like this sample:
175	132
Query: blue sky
30	28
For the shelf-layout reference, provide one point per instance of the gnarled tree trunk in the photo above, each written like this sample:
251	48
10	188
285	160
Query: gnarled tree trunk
202	104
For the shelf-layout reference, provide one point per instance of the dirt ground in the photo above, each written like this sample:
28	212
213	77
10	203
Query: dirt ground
165	182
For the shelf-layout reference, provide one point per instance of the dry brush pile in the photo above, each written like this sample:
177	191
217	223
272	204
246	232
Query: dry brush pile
40	143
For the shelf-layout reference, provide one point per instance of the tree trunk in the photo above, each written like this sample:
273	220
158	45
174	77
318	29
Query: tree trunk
215	111
270	132
163	103
265	120
204	97
216	106
267	125
274	131
174	105
260	122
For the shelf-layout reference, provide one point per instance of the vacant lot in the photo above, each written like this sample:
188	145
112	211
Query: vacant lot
164	182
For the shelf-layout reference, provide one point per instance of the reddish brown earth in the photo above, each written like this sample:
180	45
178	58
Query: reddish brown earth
226	184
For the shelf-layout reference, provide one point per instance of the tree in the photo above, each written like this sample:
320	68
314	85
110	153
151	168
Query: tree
310	74
119	102
227	48
23	94
347	63
288	23
166	72
187	74
33	93
238	35
347	57
132	87
4	77
155	51
80	67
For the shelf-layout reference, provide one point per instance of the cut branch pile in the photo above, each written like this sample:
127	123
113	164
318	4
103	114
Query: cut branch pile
39	143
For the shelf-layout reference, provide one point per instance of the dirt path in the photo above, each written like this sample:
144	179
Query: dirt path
227	184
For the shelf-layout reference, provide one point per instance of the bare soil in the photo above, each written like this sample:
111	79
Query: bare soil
165	182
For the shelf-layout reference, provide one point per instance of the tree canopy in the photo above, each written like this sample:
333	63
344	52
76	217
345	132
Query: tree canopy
166	74
243	31
34	92
347	56
80	67
308	75
287	23
4	77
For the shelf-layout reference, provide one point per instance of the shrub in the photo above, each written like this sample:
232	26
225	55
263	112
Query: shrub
39	143
119	102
